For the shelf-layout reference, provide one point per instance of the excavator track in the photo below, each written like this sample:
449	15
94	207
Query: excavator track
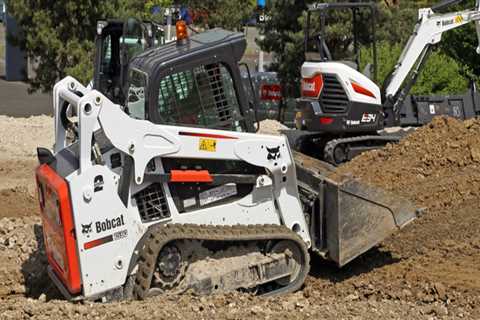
338	151
166	237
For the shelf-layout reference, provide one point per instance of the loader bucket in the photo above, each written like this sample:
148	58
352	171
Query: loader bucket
358	217
351	216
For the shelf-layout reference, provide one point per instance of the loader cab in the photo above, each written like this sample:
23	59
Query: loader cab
117	42
193	82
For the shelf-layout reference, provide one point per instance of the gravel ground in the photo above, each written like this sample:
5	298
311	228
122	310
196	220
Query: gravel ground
19	138
427	271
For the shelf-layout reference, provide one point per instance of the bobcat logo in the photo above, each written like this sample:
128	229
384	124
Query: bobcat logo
273	153
98	184
87	228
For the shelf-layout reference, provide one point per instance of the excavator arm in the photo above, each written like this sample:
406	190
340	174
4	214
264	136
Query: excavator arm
427	32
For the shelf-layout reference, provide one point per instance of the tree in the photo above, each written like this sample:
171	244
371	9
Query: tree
228	14
461	45
441	74
283	35
59	35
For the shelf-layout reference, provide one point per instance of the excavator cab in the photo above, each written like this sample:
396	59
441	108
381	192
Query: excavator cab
316	43
337	97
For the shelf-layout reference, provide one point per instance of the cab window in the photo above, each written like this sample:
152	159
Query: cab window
203	96
137	86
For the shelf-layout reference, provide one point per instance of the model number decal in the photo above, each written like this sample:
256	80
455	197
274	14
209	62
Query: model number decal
120	234
107	239
209	145
368	118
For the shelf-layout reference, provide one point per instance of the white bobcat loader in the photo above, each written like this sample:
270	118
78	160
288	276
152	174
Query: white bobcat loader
174	191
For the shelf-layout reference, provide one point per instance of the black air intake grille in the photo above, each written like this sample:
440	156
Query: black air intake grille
152	204
333	99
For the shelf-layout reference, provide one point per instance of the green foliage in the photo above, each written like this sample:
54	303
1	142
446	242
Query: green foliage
284	36
461	45
59	35
228	14
441	74
387	56
2	51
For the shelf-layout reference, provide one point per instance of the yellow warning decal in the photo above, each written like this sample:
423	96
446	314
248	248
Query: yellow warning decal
207	145
458	19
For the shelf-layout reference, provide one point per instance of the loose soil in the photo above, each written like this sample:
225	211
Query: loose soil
19	138
429	270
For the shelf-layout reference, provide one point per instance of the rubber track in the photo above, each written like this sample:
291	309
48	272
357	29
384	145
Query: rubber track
328	151
163	234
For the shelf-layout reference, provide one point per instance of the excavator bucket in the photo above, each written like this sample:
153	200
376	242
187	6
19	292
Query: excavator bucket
349	217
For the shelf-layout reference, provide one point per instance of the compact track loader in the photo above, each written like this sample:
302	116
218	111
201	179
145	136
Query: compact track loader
173	191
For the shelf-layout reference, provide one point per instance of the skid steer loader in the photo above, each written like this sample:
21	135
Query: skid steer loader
173	191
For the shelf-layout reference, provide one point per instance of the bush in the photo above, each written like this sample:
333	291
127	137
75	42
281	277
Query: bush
441	74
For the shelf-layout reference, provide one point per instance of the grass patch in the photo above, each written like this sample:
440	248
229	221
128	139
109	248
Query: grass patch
2	41
2	51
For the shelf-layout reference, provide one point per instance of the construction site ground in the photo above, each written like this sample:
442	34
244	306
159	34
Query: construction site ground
429	270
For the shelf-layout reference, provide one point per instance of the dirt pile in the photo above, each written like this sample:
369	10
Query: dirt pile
437	166
23	261
432	260
271	127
